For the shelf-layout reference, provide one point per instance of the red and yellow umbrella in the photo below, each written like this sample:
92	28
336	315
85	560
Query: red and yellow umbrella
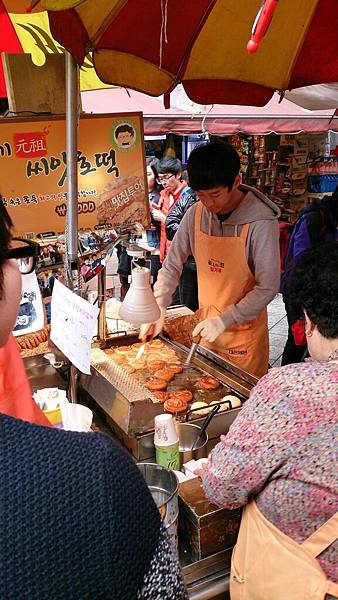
152	45
30	34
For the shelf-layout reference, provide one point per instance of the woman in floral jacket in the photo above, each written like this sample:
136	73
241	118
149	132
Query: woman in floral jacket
280	453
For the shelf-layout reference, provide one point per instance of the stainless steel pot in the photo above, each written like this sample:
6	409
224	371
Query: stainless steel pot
163	486
187	434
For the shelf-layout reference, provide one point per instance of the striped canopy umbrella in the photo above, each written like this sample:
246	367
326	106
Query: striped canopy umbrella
152	45
28	33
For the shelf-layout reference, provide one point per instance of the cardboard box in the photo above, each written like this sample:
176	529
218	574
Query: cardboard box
204	529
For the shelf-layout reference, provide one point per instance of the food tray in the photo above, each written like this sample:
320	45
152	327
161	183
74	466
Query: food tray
33	344
40	349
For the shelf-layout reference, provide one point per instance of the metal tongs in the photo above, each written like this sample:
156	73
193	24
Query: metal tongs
205	425
191	354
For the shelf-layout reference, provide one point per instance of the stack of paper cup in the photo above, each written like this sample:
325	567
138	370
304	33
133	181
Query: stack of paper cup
166	442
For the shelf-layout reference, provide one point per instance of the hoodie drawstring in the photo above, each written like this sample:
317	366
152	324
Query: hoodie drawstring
210	223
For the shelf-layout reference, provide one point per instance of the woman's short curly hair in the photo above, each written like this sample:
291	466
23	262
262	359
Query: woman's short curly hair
313	288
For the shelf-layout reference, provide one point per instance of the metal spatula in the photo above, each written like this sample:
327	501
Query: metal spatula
191	355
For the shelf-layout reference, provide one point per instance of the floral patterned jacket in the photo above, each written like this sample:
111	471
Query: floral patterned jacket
282	450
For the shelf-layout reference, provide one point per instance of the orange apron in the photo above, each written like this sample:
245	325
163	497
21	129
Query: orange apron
267	564
15	393
224	278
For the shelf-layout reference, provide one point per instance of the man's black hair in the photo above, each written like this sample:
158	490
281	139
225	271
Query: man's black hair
213	165
313	287
170	165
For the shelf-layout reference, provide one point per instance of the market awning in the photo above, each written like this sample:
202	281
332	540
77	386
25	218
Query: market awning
278	117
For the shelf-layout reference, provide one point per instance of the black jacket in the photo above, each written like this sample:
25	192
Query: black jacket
78	521
177	212
175	216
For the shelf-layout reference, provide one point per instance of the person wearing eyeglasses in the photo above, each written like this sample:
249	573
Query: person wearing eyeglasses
15	393
170	178
175	199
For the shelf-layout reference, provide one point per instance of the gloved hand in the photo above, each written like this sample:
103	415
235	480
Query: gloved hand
158	215
150	330
209	329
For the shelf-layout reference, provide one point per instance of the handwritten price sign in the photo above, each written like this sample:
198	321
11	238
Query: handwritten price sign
73	324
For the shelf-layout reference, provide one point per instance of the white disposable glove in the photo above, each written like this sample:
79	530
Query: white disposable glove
150	330
158	215
209	329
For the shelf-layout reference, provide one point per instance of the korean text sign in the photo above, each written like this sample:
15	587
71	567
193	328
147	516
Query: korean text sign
111	172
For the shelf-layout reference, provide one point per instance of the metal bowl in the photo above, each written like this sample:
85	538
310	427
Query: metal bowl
187	434
163	486
162	482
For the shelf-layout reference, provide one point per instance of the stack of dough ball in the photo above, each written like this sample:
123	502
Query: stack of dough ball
203	408
234	401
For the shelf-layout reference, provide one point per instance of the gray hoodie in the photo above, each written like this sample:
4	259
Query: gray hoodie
262	253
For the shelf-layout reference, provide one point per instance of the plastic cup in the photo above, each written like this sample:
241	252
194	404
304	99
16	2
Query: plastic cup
165	431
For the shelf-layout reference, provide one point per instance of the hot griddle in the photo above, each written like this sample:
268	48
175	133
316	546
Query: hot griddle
187	380
131	407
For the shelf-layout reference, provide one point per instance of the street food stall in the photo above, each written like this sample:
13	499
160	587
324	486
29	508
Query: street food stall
124	407
120	384
121	388
126	385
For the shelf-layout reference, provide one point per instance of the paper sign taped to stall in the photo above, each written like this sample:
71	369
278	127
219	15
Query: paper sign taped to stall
73	324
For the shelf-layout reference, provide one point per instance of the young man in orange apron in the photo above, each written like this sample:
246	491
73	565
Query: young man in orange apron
233	235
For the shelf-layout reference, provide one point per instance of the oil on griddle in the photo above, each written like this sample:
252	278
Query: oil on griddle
187	380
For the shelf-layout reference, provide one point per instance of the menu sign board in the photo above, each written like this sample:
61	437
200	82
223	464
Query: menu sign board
111	172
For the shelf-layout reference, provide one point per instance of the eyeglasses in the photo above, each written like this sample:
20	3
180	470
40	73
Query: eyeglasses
161	180
25	252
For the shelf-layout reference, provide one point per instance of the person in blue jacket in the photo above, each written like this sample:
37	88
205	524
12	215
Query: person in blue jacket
316	223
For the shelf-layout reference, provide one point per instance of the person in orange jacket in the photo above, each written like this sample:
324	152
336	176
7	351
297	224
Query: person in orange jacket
15	393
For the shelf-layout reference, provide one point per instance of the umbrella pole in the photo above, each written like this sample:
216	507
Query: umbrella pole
71	230
72	95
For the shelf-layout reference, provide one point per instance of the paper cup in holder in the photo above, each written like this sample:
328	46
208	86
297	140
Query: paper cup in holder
165	430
